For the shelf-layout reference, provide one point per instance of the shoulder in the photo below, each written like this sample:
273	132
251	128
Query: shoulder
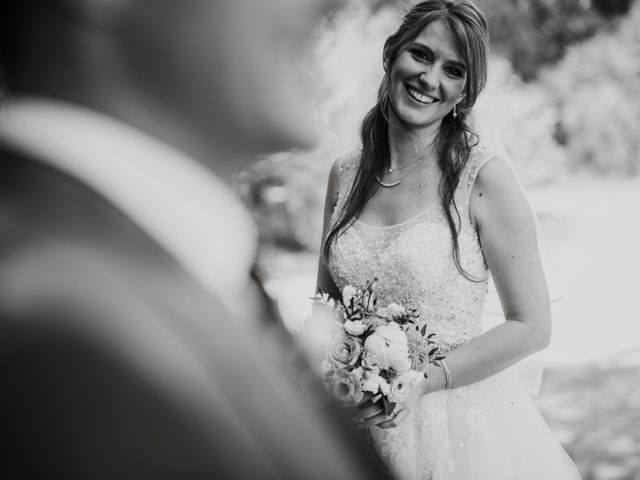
497	196
492	170
342	169
346	163
60	281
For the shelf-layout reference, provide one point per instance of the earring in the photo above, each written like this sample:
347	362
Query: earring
455	113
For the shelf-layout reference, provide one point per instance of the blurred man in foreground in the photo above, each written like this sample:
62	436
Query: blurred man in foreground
128	338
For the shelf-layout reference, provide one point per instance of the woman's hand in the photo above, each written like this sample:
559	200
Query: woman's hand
403	409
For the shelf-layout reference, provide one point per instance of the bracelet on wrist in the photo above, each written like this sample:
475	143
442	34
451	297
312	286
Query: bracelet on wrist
447	374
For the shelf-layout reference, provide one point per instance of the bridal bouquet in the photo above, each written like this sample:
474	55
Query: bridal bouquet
372	349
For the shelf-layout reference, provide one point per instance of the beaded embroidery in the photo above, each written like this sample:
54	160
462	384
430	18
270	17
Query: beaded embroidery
413	263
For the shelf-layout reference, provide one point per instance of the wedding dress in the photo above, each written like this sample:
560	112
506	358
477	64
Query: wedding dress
490	430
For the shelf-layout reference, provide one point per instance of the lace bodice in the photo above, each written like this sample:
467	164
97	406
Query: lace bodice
413	260
487	430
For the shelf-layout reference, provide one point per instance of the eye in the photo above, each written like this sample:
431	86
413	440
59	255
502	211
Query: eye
420	55
454	72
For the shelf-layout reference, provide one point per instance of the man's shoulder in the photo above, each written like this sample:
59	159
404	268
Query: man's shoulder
58	278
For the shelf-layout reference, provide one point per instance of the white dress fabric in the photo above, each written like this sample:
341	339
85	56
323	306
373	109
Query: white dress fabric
490	430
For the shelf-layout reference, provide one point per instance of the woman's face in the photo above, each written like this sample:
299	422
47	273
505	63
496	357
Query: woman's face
427	78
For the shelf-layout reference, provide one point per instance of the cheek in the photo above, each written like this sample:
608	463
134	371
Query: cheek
452	89
403	69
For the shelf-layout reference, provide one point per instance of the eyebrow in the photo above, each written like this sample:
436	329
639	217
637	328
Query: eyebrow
429	50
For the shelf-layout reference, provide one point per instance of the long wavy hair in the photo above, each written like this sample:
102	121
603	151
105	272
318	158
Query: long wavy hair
455	137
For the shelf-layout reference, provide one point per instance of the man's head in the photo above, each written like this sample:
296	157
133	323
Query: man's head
234	72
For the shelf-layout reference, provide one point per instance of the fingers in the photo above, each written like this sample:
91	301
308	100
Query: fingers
365	398
363	416
376	419
371	411
394	421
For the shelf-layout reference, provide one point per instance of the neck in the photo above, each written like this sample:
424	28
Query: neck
407	146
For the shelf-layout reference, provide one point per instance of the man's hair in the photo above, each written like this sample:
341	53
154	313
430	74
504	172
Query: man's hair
19	27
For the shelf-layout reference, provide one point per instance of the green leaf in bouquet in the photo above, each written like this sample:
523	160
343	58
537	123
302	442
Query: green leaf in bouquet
423	332
388	406
433	350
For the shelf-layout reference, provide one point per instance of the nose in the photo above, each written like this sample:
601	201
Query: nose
429	79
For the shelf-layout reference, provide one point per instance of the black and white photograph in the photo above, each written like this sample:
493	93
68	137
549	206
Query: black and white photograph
320	239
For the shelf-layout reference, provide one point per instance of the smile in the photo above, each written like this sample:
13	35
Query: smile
420	97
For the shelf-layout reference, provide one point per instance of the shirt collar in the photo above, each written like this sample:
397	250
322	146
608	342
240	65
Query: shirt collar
174	199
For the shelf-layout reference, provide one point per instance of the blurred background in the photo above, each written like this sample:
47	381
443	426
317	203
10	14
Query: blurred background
564	95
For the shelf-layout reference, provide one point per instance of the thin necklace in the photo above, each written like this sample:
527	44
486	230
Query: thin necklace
395	184
418	160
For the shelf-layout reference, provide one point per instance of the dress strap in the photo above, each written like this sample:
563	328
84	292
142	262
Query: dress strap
347	168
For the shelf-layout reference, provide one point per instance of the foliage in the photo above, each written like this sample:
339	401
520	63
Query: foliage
596	90
532	33
524	118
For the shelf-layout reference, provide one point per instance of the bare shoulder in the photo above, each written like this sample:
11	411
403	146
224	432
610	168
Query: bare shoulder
343	167
348	161
495	172
497	195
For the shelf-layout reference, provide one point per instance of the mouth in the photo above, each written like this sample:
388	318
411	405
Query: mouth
420	97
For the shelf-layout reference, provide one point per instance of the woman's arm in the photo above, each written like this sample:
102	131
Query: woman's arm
324	281
507	232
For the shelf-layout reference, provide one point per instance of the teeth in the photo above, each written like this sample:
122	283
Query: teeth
420	97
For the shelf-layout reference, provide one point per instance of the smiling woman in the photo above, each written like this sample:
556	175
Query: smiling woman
430	214
439	51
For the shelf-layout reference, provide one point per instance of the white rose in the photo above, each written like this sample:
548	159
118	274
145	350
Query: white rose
348	293
387	347
374	383
395	310
355	328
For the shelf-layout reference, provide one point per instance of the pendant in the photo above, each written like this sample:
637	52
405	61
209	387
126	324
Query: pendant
388	185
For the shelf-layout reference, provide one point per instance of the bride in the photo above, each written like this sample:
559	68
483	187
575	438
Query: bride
430	213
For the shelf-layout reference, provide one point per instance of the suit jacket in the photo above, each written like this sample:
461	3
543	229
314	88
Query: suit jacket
116	363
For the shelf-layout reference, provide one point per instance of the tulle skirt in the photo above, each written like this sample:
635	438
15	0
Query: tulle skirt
490	430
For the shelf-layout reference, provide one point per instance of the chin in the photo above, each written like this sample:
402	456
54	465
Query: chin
414	117
417	120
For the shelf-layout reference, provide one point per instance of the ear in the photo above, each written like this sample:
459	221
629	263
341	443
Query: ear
385	60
